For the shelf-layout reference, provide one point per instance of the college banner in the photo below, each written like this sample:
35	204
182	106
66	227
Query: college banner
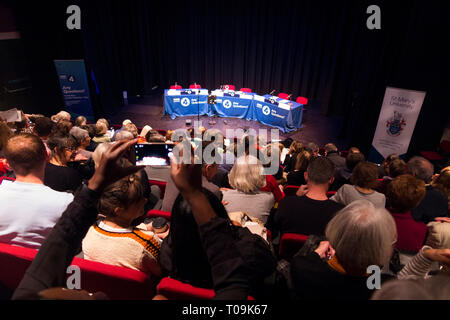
75	88
397	122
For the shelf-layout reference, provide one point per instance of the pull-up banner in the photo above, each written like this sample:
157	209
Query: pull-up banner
75	88
398	118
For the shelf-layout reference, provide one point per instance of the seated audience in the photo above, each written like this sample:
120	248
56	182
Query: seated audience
397	167
279	174
62	115
297	177
441	182
313	148
131	127
58	175
344	174
291	158
364	180
80	121
332	153
154	137
405	193
29	209
208	172
123	135
91	129
63	127
434	204
310	212
43	128
359	236
101	133
384	167
273	187
246	178
83	141
113	240
145	130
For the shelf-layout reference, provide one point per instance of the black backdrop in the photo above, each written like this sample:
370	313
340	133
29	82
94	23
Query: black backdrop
314	48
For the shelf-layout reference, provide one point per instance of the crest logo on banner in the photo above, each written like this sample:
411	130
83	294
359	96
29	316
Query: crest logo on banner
185	102
227	104
266	110
395	124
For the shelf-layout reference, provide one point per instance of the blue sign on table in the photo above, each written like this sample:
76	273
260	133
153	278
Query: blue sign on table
182	103
75	88
233	104
282	114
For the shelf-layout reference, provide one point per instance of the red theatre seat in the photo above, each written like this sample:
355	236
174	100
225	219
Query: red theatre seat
176	87
283	96
159	213
116	282
302	101
248	90
331	193
290	244
431	155
176	290
291	190
161	184
229	87
195	86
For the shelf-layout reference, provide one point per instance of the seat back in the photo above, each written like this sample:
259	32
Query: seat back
331	193
116	282
195	86
284	96
176	290
248	90
290	244
159	214
229	87
302	100
291	190
176	87
161	185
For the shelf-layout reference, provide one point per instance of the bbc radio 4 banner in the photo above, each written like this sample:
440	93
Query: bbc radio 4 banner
75	88
398	118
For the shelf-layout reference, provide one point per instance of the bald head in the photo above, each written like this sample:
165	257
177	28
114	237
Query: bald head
25	153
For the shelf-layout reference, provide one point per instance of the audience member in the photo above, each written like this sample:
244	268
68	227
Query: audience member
29	209
291	158
91	129
246	178
434	204
101	133
131	127
113	240
405	193
311	210
441	182
43	128
154	137
297	177
58	175
332	153
83	141
5	134
344	174
313	148
62	127
62	115
364	180
359	236
80	121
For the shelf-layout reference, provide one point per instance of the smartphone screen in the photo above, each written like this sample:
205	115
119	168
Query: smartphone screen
153	154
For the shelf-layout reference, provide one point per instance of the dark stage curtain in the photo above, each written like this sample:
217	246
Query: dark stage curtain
314	48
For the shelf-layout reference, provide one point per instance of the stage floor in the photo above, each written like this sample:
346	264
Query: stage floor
149	110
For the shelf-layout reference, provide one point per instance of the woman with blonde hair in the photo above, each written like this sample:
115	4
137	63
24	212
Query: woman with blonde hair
361	238
246	178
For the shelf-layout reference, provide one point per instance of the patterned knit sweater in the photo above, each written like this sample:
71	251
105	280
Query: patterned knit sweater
133	248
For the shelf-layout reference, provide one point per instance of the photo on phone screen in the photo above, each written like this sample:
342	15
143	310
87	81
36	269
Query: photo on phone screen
153	154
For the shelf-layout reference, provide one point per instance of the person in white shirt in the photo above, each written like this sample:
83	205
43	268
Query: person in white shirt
29	209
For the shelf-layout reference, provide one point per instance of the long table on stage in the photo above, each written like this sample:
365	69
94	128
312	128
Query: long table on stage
272	111
186	102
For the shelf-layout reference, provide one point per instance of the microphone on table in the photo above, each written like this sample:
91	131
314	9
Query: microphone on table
273	92
289	97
